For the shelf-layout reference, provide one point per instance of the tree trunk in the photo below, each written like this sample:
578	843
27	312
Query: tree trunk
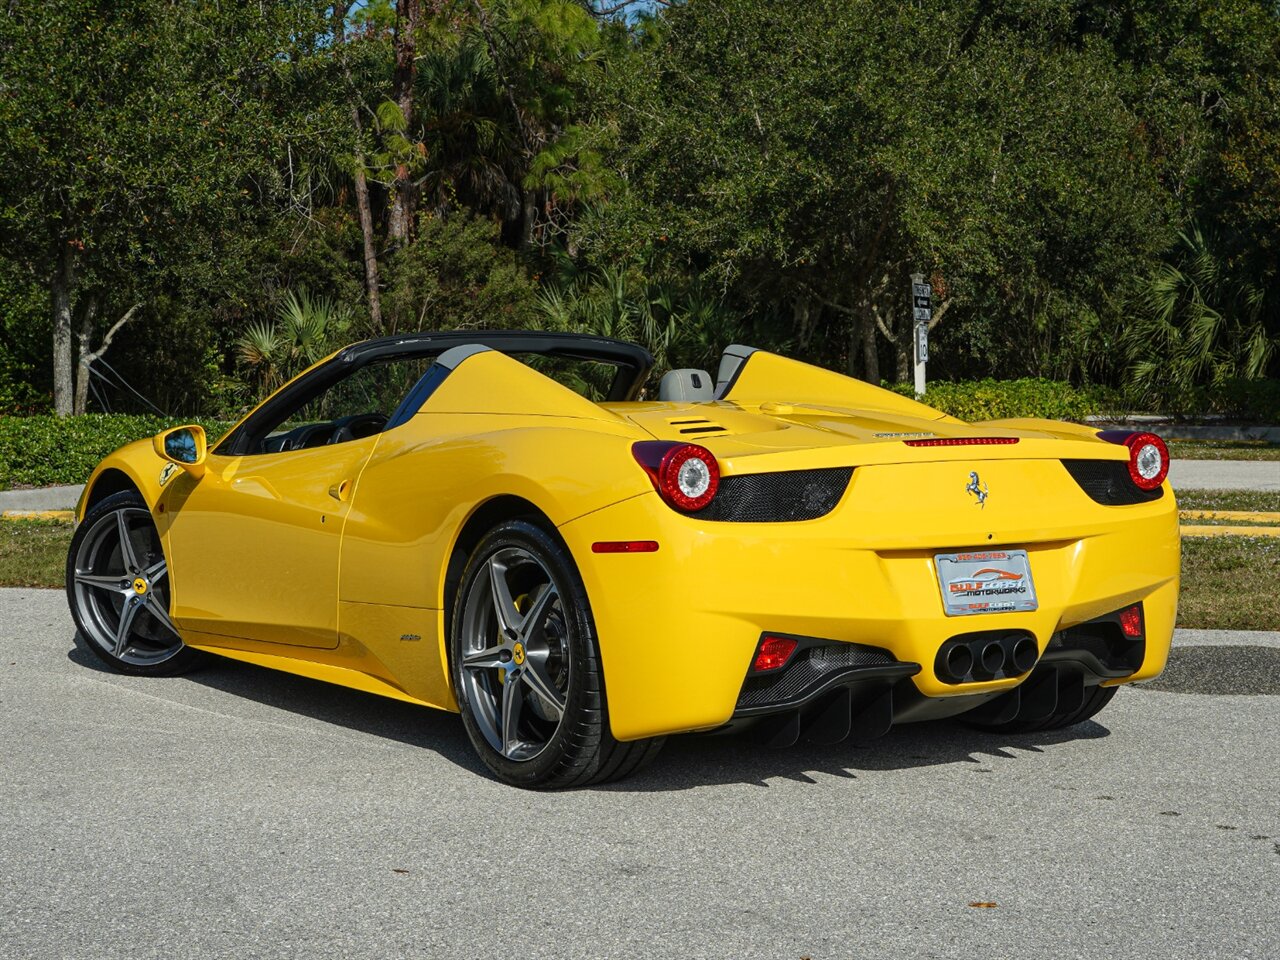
406	68
529	216
363	208
62	289
800	320
85	360
370	241
870	349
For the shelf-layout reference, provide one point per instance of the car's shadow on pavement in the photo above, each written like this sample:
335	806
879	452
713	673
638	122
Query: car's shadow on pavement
686	762
697	761
328	703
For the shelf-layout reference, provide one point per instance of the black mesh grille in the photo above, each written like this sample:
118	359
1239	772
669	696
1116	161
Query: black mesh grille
1105	641
778	497
807	670
1107	481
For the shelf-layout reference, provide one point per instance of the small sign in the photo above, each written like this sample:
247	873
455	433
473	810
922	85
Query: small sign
921	290
923	314
922	343
925	302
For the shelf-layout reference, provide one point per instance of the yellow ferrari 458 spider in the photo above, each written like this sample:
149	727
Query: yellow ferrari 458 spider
447	519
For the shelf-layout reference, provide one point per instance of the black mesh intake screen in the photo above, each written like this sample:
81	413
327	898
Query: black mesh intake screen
777	497
1107	481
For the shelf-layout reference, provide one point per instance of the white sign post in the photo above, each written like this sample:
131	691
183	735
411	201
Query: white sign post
921	312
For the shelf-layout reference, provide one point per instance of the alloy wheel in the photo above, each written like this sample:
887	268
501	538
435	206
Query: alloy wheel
515	658
121	589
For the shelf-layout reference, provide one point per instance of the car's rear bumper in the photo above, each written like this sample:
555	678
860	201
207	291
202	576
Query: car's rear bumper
678	627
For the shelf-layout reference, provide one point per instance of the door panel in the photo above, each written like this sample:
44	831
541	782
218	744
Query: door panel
255	544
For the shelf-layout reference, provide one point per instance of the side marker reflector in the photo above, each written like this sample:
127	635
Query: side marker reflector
1131	621
624	546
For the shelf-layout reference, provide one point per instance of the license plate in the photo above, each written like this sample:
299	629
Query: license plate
985	581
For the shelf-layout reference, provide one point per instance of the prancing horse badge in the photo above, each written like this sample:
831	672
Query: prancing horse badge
977	488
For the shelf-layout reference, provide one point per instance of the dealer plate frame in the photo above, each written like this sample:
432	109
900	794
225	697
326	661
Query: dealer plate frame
986	581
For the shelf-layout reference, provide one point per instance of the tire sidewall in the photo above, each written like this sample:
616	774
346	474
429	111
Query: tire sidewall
563	758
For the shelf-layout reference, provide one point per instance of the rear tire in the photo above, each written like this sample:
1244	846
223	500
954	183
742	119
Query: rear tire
1095	698
526	666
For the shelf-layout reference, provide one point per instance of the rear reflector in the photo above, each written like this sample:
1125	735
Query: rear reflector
624	546
1131	621
962	442
773	653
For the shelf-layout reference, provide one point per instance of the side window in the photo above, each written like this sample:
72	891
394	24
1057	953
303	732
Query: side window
359	405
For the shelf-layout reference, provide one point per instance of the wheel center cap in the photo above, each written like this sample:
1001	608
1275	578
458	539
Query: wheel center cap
139	586
517	654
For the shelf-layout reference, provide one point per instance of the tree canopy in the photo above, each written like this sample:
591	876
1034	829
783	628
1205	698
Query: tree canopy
1093	189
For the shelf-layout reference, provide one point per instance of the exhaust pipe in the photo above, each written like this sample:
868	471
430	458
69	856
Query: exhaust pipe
954	663
991	657
1025	654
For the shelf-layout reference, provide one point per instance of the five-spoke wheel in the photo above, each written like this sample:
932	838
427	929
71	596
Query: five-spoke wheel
118	585
526	665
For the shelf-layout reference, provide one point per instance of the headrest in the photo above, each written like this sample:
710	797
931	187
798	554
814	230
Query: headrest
694	385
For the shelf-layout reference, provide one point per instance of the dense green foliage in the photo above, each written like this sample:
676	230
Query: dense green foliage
1001	399
43	450
1092	188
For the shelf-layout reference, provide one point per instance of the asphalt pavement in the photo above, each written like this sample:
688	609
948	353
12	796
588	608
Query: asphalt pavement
1225	475
236	812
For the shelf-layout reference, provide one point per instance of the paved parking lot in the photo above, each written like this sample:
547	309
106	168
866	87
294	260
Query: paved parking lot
241	813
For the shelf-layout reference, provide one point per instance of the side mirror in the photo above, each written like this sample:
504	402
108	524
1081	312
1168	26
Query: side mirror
185	446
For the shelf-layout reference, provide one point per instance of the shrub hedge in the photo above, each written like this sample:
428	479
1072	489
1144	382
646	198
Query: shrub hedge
999	399
44	450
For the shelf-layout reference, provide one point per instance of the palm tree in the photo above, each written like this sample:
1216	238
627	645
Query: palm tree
1199	323
305	330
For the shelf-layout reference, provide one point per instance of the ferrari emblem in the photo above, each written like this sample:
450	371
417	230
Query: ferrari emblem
977	488
139	586
518	654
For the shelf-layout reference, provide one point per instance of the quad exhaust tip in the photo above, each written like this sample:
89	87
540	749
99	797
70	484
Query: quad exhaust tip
988	655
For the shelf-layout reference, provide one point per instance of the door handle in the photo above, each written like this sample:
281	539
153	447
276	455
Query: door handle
341	491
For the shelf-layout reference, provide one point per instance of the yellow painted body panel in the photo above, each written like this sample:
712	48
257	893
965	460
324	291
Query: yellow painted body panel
683	623
331	562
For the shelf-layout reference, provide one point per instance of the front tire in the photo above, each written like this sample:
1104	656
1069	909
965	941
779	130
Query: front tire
526	666
118	590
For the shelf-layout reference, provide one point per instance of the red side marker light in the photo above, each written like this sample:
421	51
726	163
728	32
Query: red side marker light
773	653
1131	621
624	546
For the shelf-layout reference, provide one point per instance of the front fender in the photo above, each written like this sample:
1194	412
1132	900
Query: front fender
137	463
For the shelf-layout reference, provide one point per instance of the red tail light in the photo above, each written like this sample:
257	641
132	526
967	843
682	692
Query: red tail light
1148	457
685	474
773	653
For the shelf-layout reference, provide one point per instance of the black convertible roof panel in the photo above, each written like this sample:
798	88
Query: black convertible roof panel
636	360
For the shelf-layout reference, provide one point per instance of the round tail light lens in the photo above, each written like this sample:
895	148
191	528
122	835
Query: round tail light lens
1148	460
685	474
1148	456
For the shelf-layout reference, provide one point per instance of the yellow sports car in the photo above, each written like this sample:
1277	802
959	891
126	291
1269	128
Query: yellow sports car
447	519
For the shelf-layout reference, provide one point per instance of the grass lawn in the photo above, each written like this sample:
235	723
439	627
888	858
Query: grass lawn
1227	582
33	553
1223	450
1254	501
1230	583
